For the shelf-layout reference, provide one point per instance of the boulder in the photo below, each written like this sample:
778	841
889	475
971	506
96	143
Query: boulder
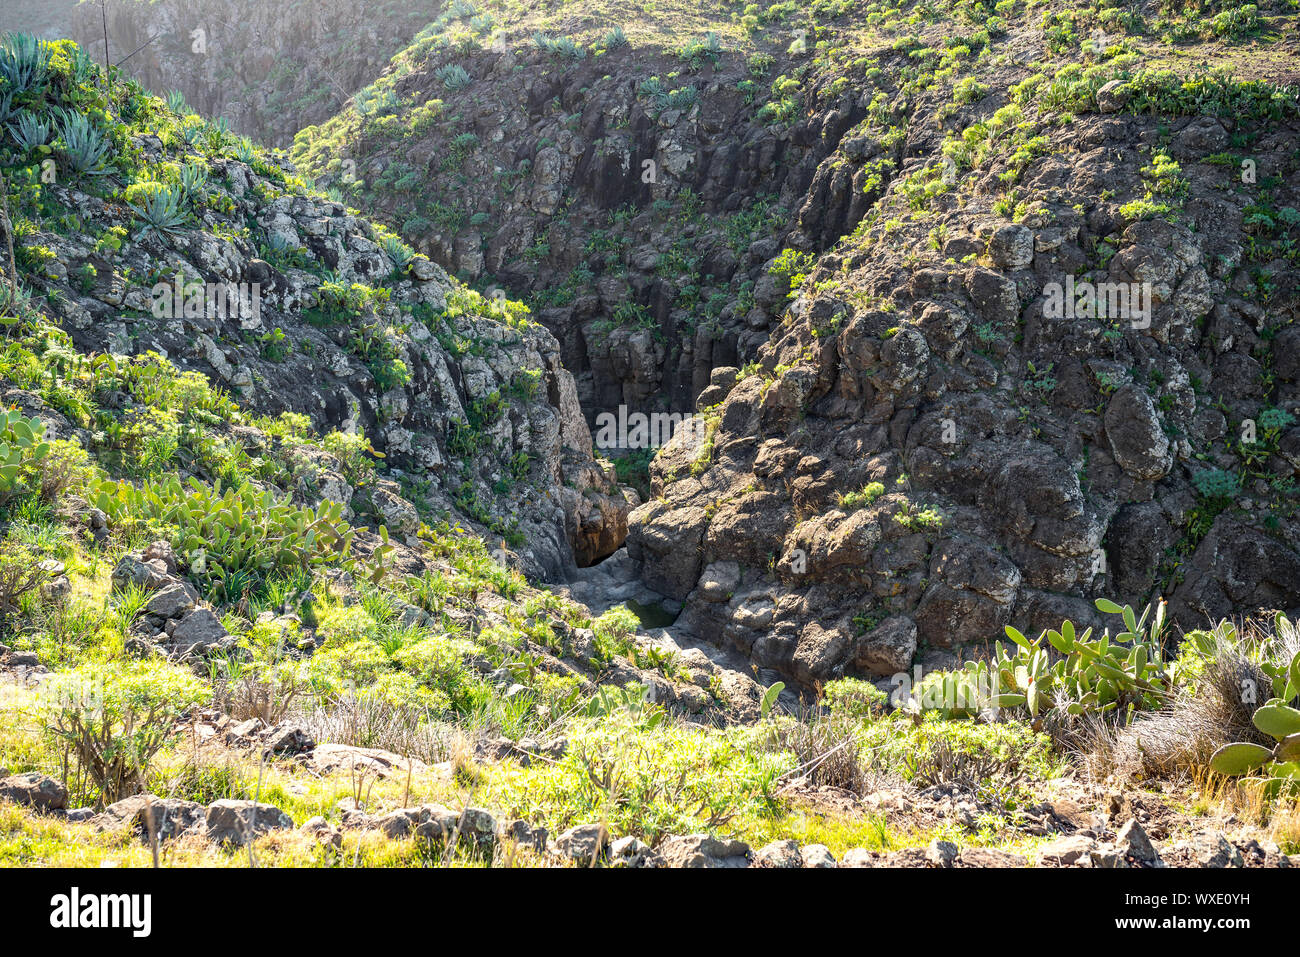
1067	850
888	648
171	817
38	791
701	850
779	854
1133	844
239	822
584	843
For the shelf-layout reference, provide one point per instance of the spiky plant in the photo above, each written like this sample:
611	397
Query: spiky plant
193	180
24	61
162	212
453	76
84	147
30	131
400	253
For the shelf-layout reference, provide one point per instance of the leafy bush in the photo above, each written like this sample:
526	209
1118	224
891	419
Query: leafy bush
791	268
855	698
1216	484
20	573
232	539
115	717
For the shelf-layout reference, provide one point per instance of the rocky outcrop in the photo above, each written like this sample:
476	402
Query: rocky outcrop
943	452
467	394
641	217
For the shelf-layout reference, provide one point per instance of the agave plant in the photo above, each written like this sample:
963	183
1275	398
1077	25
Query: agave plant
176	103
30	131
244	151
453	76
24	61
161	211
400	253
193	180
84	146
84	69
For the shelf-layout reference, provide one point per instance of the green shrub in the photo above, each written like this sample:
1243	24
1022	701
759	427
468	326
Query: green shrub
232	539
855	698
114	717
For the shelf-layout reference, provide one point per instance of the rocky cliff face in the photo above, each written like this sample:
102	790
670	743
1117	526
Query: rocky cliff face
929	449
267	68
639	215
295	304
975	332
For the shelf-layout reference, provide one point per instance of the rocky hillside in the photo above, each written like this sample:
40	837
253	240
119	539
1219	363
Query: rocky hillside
912	236
986	319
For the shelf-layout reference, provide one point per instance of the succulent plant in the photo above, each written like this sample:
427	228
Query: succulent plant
1065	670
21	445
1276	718
239	533
84	146
161	211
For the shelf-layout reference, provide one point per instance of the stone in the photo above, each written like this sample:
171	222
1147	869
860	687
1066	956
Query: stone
858	857
1106	857
1112	96
990	857
1137	440
336	758
1012	247
526	834
37	791
173	600
584	843
162	552
701	850
1132	842
198	633
325	833
288	738
816	855
633	852
941	853
888	648
171	817
1067	850
783	853
1212	849
130	570
237	822
718	581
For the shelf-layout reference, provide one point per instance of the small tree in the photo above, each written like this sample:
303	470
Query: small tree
114	718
